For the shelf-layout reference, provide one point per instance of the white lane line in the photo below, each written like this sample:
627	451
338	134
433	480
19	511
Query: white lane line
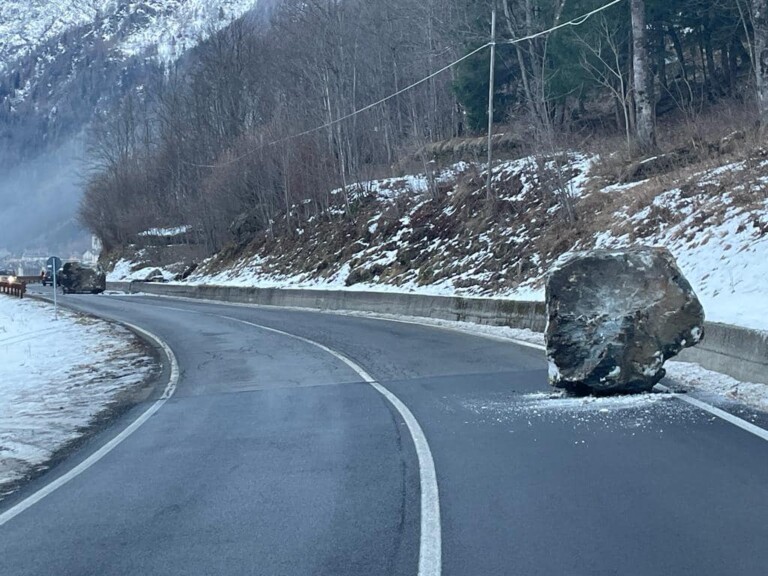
701	405
430	542
722	414
10	514
715	411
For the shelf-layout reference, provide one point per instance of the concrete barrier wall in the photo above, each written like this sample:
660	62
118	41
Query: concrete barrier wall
477	310
738	352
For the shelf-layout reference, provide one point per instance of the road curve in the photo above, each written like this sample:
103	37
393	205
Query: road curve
275	457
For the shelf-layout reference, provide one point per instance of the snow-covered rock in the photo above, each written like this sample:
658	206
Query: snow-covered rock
169	27
614	317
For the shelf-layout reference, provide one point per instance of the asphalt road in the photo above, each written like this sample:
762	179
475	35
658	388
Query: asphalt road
275	458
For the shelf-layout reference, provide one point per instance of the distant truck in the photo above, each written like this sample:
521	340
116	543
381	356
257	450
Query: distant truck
48	276
75	278
53	264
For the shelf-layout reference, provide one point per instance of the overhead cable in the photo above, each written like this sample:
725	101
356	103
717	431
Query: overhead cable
575	22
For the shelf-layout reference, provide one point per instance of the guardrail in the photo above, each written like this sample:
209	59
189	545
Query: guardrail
732	350
28	279
15	288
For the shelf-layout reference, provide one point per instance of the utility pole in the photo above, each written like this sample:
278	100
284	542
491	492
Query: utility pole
491	90
55	301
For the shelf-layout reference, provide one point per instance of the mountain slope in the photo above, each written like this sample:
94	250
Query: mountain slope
62	62
170	27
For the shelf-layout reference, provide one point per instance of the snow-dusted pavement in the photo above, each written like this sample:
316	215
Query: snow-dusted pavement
711	386
58	377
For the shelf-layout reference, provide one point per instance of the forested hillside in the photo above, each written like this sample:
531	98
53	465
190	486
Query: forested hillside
261	122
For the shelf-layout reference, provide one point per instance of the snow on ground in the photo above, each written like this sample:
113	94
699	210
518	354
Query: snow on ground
639	413
714	386
720	244
255	271
177	231
121	272
416	184
718	238
128	271
250	273
58	377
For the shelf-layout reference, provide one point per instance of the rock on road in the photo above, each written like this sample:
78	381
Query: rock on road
274	457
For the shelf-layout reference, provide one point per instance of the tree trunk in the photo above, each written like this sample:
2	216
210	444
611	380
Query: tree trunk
646	132
714	82
678	51
760	25
661	55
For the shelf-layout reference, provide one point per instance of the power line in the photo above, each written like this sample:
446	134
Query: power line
348	116
575	22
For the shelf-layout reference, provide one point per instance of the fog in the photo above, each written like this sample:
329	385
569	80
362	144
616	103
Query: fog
39	201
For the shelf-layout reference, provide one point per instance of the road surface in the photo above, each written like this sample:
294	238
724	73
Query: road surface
275	457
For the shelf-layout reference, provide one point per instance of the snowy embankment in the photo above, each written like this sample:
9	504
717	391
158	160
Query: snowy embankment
59	377
408	238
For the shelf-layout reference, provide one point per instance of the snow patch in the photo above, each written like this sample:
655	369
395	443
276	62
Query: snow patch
58	376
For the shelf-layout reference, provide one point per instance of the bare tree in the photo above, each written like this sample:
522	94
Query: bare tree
601	57
644	105
760	56
524	18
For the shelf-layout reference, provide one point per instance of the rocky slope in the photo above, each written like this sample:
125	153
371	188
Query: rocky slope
439	234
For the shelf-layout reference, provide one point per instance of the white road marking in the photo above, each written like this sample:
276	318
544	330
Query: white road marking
701	405
715	411
10	514
430	541
722	414
414	320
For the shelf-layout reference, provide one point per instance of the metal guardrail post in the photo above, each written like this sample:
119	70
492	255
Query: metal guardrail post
17	289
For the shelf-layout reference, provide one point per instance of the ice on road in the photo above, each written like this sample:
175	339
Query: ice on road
57	377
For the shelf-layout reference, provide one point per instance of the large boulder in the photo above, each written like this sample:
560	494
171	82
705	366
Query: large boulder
76	277
615	317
